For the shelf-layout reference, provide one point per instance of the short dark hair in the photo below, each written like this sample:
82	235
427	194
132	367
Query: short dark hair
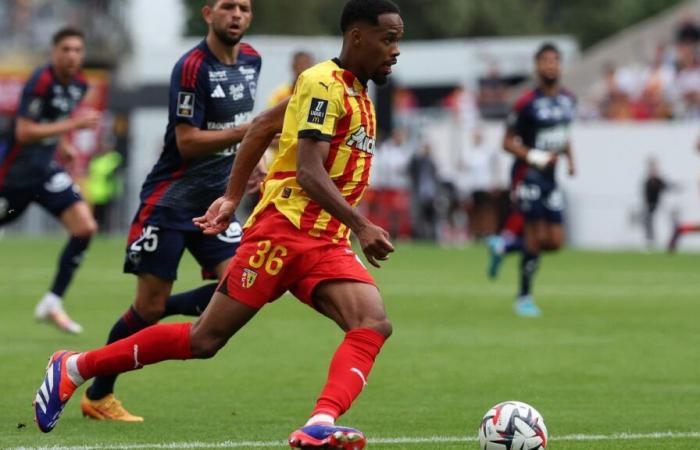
547	47
367	11
67	32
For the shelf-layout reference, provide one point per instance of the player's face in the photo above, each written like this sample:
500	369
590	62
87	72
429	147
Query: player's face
548	67
381	48
68	55
229	19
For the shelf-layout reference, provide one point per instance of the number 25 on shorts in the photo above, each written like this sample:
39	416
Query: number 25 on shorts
268	256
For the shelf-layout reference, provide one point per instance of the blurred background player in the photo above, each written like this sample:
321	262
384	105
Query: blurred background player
29	171
537	133
296	240
212	95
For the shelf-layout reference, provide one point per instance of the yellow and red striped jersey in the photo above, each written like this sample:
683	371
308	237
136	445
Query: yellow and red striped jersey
329	103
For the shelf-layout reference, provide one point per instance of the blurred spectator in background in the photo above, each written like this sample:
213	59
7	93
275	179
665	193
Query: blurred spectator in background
480	173
424	184
104	187
389	202
493	94
654	186
688	79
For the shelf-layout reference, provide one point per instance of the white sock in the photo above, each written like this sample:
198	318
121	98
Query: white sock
321	418
72	368
51	299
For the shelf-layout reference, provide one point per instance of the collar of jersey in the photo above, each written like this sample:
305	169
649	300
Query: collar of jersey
356	83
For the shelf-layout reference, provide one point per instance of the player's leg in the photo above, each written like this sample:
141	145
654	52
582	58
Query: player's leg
508	241
76	217
68	370
358	310
153	254
535	234
213	253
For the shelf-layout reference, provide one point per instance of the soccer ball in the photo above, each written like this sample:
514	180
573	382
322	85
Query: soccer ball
512	426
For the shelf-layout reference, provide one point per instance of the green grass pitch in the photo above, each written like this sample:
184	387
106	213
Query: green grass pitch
617	351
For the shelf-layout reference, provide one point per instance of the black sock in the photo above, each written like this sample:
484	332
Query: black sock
131	322
528	266
68	262
190	303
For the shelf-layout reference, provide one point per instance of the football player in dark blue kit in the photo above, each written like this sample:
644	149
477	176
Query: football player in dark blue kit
212	91
30	173
538	136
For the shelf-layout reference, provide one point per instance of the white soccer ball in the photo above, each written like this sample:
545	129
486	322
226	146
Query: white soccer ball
512	426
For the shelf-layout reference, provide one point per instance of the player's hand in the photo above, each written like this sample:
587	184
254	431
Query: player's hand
541	159
218	217
88	119
375	243
257	177
67	154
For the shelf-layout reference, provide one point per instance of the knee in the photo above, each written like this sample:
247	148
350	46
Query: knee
85	230
203	345
151	309
382	326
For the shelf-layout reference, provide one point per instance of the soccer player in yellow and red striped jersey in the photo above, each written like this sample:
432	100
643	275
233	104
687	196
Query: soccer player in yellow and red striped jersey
296	240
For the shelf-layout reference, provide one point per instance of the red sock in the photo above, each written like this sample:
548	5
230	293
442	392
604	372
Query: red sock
349	371
514	224
689	228
148	346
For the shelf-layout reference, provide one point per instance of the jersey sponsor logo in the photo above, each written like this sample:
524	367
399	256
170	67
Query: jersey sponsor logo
324	85
58	183
232	235
317	111
218	76
218	92
248	278
236	91
75	92
362	141
185	104
553	139
248	73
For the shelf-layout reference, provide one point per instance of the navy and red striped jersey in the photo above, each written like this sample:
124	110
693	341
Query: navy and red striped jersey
44	100
543	121
208	95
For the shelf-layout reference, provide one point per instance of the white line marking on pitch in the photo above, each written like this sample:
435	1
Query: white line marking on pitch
385	441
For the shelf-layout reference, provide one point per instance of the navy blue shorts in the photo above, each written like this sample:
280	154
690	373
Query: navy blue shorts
55	193
539	198
156	246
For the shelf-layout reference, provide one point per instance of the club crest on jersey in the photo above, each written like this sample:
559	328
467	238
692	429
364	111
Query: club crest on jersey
362	141
236	91
185	104
248	278
317	111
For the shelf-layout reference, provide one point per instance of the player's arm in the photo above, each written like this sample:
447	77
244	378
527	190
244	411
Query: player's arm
29	131
262	130
194	142
314	179
533	156
569	154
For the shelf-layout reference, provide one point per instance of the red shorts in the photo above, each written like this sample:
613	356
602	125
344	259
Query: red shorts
275	257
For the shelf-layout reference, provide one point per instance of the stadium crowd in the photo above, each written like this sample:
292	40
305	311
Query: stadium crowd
665	87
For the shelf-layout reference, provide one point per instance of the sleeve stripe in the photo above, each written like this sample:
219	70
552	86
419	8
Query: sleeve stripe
190	69
44	82
314	134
